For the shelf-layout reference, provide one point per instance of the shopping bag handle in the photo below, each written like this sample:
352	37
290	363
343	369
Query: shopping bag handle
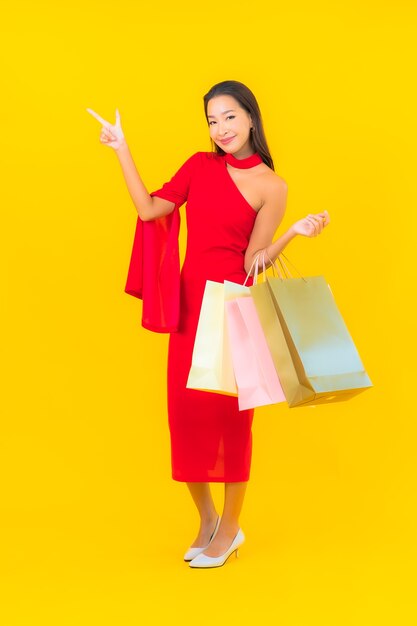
275	267
286	271
301	276
255	263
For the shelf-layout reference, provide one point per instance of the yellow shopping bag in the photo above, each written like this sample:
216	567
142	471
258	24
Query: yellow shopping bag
211	366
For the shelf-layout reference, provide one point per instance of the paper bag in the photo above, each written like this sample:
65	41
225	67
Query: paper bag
256	378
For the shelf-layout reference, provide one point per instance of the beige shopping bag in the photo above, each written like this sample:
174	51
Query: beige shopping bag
211	366
314	354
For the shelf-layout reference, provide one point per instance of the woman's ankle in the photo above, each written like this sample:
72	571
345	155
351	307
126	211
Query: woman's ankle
229	525
208	519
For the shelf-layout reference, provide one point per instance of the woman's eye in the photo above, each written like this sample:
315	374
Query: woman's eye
229	117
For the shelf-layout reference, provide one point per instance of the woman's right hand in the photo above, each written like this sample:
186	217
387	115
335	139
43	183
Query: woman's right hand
111	135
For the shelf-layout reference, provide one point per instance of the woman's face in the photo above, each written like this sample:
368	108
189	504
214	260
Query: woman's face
229	125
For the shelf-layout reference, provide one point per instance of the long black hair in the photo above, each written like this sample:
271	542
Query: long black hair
247	101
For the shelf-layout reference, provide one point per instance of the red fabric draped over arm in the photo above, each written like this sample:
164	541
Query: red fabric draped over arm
154	268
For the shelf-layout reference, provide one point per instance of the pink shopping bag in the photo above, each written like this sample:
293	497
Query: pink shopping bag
257	380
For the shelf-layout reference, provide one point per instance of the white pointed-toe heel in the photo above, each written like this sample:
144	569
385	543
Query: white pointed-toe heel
202	560
193	552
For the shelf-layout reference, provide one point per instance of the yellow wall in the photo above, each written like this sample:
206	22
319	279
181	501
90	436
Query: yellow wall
93	527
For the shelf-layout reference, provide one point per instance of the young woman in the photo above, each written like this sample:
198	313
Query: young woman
235	203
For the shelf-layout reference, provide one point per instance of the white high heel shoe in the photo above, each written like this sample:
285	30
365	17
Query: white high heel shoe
202	560
193	552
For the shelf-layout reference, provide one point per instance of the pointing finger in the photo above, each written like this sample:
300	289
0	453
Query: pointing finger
99	118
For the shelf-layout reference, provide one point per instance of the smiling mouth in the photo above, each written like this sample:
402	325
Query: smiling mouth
227	140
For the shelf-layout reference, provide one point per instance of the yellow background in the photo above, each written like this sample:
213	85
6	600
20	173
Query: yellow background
93	528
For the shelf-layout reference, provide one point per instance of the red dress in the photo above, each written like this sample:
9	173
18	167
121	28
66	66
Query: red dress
211	440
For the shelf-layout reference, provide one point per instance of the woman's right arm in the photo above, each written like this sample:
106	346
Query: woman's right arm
148	207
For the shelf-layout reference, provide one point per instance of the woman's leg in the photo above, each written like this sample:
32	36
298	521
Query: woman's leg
208	515
229	525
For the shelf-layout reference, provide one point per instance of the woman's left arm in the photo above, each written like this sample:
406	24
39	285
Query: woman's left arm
270	217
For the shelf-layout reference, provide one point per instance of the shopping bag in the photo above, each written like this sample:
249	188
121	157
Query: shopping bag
312	349
211	366
256	377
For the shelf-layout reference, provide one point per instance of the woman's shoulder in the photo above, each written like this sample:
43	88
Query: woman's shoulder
206	156
273	180
202	159
272	186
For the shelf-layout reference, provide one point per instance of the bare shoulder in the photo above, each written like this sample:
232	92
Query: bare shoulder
273	185
273	180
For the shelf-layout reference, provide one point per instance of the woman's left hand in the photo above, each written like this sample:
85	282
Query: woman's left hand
312	225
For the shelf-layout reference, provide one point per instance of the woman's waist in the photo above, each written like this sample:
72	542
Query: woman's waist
196	277
214	265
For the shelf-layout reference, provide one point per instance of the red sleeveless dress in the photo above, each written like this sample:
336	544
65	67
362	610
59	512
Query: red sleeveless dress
211	440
